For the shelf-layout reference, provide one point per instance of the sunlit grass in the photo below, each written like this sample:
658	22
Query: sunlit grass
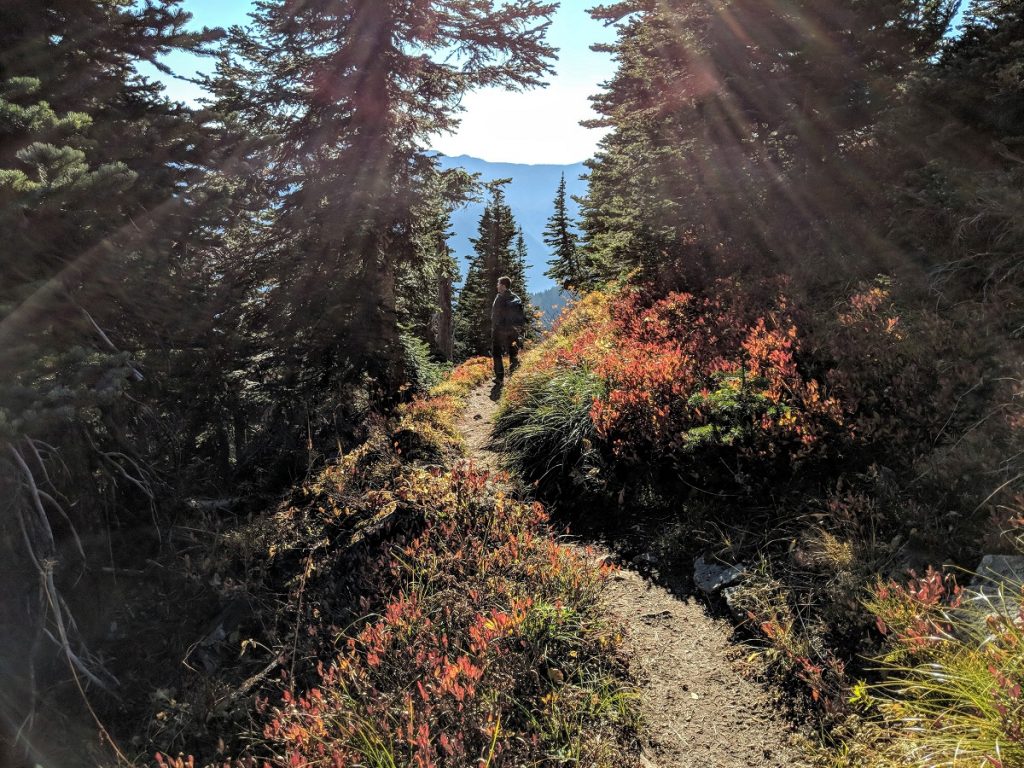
544	424
952	677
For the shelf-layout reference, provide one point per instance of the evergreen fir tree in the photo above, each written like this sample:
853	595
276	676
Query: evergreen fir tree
517	266
426	284
951	154
517	271
494	257
96	173
565	268
347	94
96	198
735	134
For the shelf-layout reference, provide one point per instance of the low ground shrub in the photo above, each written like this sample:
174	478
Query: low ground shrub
426	428
732	391
949	686
486	648
424	371
428	619
905	376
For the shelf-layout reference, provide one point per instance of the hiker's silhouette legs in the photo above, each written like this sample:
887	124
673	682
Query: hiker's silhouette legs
503	342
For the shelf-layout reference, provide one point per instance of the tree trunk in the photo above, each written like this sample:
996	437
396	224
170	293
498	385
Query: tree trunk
238	428
445	339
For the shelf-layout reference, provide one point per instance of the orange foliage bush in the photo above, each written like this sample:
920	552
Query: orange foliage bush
485	619
426	429
737	378
692	371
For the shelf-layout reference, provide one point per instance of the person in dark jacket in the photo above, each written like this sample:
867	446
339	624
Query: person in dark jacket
507	320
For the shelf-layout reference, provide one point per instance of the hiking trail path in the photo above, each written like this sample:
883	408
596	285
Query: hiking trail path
698	709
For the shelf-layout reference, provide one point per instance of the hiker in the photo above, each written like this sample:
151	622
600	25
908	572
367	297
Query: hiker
508	319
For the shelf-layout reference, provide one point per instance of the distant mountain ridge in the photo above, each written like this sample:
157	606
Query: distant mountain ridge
531	195
550	304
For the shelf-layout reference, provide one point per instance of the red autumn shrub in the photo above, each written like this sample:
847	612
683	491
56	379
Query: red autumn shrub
693	372
950	682
735	384
916	613
426	429
487	646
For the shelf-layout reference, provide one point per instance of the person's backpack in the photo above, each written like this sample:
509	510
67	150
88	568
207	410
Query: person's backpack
516	312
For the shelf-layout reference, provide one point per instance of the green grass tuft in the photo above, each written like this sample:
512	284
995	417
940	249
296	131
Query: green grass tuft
545	428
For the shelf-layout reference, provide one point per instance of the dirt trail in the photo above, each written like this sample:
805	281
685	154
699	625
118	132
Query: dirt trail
475	426
699	710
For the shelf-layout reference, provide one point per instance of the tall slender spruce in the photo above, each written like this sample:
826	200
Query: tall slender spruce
499	249
565	268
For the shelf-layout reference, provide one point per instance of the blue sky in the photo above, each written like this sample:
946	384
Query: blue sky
538	126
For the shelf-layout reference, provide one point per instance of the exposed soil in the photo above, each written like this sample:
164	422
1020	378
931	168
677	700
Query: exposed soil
475	426
698	707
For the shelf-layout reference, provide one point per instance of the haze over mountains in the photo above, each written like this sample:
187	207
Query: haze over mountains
531	195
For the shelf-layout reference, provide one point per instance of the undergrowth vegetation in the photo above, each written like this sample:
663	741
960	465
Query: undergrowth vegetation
953	671
823	444
486	648
426	428
430	618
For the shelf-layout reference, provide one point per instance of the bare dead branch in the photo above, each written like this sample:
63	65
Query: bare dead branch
64	642
67	518
37	502
42	464
136	374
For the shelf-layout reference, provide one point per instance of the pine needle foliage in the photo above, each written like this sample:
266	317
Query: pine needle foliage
566	267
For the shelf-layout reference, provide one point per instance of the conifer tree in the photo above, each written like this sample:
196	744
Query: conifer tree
426	284
952	155
96	172
96	196
517	267
347	94
494	256
517	271
565	268
735	133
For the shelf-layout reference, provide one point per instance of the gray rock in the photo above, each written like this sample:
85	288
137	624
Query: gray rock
996	586
730	595
710	576
994	570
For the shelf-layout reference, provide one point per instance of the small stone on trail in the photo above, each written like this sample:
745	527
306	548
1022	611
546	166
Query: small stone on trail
478	417
709	576
657	616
